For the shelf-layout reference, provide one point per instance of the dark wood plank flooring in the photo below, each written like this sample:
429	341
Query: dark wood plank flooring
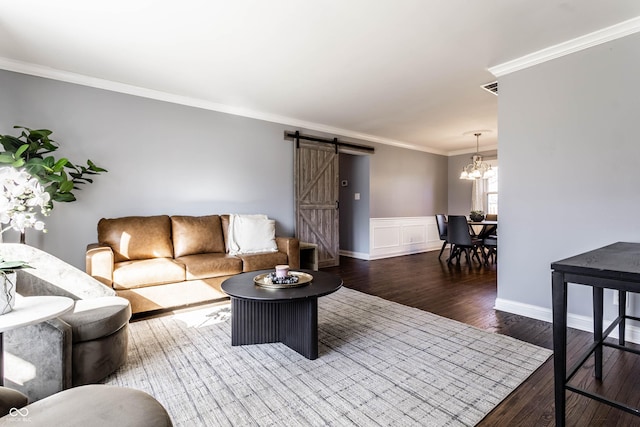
467	294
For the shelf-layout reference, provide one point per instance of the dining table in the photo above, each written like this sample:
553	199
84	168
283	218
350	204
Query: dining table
478	228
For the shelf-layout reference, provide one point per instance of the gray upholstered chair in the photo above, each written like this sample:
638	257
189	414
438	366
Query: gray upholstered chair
9	399
80	347
93	405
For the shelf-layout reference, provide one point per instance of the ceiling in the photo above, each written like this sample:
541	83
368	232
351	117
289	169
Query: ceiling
404	72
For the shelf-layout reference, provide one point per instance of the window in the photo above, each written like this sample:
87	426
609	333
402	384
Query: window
491	193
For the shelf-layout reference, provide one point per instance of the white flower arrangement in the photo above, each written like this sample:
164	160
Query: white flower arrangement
21	195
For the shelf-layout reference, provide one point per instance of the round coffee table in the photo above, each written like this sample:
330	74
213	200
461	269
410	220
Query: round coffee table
264	315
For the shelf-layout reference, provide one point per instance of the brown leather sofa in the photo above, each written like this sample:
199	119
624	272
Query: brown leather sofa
160	262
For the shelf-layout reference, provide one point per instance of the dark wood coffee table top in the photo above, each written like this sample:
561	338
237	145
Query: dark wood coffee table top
243	286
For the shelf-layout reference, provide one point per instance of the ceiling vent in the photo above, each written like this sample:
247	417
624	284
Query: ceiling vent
491	87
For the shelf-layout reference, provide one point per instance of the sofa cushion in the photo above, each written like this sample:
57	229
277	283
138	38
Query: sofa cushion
224	219
97	317
251	234
147	272
137	237
262	261
196	235
203	266
174	294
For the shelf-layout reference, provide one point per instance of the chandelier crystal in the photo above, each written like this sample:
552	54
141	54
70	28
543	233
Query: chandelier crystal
477	169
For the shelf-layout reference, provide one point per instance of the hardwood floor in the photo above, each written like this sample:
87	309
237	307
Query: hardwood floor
467	294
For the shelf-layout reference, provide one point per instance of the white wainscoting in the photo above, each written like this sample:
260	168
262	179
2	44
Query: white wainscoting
391	237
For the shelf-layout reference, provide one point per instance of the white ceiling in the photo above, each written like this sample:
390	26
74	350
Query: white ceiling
405	72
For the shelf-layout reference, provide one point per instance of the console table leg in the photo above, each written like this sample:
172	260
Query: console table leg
1	360
622	312
597	330
559	297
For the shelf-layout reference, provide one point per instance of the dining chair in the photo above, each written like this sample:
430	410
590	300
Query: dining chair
459	236
441	221
491	217
490	248
487	230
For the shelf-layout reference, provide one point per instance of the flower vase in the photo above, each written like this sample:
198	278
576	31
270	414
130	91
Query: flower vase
7	291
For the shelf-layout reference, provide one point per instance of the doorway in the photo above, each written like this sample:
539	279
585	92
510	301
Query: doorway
354	205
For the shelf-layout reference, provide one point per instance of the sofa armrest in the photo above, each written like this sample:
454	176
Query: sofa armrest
99	263
38	358
291	247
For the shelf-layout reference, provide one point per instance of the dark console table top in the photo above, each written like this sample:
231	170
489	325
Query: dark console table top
618	261
243	286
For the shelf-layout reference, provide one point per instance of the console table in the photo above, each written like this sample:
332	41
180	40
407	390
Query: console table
617	267
28	311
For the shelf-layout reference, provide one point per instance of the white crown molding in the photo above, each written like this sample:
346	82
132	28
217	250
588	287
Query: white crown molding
472	150
604	35
83	80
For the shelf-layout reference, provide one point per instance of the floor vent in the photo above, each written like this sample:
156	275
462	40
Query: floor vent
491	87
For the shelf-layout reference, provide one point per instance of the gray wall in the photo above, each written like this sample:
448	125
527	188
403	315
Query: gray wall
574	119
406	183
162	159
165	158
460	189
354	214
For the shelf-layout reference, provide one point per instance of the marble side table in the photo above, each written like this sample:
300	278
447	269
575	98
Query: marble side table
28	311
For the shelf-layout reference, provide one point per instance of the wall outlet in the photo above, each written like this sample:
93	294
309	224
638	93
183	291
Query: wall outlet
356	196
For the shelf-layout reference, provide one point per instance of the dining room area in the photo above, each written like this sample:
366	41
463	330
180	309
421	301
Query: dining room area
475	237
471	237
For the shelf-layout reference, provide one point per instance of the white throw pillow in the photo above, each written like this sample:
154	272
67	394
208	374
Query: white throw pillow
251	234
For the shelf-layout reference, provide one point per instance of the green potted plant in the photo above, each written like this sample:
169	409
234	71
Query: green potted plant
32	150
476	216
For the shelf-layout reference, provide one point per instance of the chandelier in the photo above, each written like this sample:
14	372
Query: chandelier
477	169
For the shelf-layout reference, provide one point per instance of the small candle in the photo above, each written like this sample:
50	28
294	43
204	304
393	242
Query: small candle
282	270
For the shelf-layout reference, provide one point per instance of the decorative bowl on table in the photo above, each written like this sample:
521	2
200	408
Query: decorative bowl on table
476	216
291	280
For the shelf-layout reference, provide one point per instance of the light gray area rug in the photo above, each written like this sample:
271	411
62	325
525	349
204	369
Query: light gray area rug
380	364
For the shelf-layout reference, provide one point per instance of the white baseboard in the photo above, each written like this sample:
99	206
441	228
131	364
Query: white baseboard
358	255
583	323
400	253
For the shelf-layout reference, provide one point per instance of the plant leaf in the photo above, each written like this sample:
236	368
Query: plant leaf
13	265
66	186
6	158
63	197
21	150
